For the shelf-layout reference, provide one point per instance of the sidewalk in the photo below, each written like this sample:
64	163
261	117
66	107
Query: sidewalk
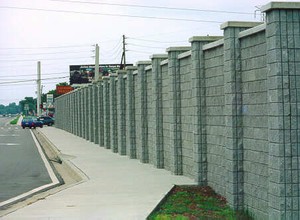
117	188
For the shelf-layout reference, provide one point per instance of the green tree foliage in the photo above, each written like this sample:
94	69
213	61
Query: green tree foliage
31	104
12	108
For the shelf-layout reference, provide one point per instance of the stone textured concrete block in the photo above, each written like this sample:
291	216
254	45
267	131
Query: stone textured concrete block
113	113
224	113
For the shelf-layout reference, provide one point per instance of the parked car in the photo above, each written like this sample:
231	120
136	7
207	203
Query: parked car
46	120
31	122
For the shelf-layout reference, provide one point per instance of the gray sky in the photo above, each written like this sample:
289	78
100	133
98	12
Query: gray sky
33	30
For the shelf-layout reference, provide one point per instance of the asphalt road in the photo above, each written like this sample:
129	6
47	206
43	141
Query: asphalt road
21	166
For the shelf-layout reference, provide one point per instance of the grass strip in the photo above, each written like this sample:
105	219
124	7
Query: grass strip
15	120
195	202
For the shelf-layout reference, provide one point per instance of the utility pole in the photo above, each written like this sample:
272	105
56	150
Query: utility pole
38	88
123	59
96	79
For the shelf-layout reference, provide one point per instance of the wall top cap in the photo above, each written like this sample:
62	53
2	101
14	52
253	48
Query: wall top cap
113	75
147	62
159	56
121	71
148	67
131	68
242	24
280	5
204	38
170	49
105	77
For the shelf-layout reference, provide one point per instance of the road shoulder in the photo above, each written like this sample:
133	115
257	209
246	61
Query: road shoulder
67	174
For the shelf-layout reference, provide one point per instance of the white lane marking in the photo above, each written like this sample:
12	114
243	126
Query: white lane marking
9	135
9	144
50	172
46	162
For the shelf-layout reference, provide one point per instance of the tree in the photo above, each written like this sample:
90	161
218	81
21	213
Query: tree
12	108
31	102
2	109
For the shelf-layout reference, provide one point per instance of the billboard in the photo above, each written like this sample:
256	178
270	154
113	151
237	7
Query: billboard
80	74
63	89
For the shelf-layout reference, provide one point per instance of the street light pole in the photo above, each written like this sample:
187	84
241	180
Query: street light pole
38	88
96	79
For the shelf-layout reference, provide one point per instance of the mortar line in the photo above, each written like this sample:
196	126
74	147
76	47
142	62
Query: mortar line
297	127
296	98
283	108
290	75
290	116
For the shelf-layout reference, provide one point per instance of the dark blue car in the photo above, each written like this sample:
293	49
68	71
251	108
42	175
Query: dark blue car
46	120
31	122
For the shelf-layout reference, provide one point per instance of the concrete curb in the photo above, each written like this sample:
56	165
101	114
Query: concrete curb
54	155
67	173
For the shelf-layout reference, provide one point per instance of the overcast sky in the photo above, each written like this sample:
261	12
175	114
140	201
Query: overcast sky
61	33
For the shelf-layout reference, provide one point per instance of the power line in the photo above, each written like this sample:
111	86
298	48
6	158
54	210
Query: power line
114	56
18	76
138	45
113	15
137	51
113	51
116	47
35	48
28	65
12	80
26	84
155	7
30	80
21	84
62	52
45	59
156	41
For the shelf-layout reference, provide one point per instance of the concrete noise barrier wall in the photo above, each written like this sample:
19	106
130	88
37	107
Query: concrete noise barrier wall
223	111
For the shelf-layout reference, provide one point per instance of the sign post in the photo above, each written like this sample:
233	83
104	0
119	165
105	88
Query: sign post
50	100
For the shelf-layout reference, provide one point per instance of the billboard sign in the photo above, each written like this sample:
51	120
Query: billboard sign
63	89
80	74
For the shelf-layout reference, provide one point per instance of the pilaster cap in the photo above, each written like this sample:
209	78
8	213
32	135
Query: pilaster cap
159	56
204	38
239	24
131	68
280	5
121	72
113	75
145	62
171	49
148	67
